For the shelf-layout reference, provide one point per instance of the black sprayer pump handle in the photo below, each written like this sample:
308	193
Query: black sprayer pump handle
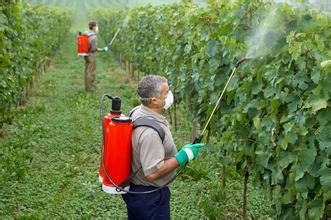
197	140
108	96
116	105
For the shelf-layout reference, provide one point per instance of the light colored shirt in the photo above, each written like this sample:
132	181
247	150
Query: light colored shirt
92	42
148	151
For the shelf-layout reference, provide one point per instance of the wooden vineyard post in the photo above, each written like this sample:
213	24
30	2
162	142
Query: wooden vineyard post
194	130
224	172
170	116
45	66
208	135
175	116
245	195
131	71
127	67
30	87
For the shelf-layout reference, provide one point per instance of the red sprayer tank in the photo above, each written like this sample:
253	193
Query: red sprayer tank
106	121
117	154
82	44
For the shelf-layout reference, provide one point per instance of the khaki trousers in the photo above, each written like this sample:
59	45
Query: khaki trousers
90	66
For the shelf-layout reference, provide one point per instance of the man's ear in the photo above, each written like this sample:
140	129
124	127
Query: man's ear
153	100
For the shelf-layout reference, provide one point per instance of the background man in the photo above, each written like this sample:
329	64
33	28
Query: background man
155	161
90	59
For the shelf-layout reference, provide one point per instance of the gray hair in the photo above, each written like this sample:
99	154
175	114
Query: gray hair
150	86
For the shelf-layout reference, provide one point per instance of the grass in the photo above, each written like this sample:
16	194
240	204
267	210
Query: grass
50	154
102	3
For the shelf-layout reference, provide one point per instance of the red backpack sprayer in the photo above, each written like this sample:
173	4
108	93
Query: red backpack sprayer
83	43
115	165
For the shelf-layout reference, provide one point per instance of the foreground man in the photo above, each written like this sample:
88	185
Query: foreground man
91	58
154	161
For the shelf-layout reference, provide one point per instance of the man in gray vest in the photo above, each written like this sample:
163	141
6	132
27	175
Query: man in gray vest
90	59
154	161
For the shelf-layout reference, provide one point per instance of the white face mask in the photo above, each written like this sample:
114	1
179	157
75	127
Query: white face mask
169	100
96	29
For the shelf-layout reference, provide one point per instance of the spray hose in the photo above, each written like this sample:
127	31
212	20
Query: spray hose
119	188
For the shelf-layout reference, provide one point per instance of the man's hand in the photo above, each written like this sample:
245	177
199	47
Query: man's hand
188	152
326	63
104	49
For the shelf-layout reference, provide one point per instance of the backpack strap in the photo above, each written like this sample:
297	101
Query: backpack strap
143	122
89	34
133	110
146	122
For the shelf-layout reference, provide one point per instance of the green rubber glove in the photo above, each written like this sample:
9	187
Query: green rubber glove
187	153
105	49
326	63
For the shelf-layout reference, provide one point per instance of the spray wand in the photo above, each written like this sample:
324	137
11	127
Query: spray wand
112	40
199	138
125	23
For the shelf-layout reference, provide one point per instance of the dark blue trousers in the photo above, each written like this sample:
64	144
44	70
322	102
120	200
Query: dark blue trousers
154	205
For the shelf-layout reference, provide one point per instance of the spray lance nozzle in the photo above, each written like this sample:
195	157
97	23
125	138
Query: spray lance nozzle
240	62
197	140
